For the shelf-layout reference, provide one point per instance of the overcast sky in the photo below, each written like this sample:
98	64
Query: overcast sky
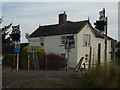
30	14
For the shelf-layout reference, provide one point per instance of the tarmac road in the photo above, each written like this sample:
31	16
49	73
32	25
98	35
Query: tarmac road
36	79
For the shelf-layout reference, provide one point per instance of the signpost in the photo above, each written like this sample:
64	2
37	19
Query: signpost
17	50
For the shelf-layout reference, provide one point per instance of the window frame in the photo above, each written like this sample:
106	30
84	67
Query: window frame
42	41
86	40
63	39
87	57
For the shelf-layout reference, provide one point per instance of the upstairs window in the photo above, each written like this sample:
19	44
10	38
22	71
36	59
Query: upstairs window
42	42
63	39
86	40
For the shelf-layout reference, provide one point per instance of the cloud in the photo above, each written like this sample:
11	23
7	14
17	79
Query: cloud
60	0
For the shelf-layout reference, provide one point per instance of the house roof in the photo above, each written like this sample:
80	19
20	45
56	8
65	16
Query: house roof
68	27
58	29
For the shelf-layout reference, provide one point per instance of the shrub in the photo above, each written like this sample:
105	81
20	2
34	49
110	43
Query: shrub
9	61
24	57
55	61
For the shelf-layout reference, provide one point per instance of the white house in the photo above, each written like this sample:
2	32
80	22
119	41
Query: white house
88	42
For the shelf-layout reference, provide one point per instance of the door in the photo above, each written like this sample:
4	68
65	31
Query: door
99	53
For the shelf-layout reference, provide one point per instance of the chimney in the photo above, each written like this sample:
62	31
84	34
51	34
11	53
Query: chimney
62	18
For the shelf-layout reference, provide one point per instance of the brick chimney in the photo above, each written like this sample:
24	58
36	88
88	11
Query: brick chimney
62	18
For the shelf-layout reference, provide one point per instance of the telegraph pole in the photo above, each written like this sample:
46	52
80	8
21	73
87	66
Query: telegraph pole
106	40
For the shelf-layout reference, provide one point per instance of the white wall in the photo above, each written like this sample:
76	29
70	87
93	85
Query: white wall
52	44
34	41
82	50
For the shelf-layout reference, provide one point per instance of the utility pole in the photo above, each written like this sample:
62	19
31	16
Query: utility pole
106	40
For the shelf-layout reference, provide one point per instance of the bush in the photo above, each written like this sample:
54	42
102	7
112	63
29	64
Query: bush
55	61
24	57
9	61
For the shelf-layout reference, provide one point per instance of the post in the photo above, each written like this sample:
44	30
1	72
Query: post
37	60
46	64
67	50
17	50
28	61
90	57
106	40
93	57
14	60
114	47
34	60
27	37
17	61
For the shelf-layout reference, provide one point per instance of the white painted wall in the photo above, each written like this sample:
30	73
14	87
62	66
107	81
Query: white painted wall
82	50
52	44
34	41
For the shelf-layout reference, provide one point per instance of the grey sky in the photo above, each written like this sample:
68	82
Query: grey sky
30	15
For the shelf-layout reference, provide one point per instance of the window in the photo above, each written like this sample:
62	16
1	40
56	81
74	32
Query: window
86	40
63	39
63	55
86	57
41	41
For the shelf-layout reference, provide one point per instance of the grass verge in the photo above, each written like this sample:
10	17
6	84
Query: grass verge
105	76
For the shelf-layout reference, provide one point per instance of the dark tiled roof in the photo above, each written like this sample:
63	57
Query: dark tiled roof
66	28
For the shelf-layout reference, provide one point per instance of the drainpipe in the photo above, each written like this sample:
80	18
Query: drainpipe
90	57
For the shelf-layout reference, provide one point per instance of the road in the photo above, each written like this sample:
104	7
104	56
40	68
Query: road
37	79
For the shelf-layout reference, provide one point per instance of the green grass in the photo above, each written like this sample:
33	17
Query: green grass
105	76
71	85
